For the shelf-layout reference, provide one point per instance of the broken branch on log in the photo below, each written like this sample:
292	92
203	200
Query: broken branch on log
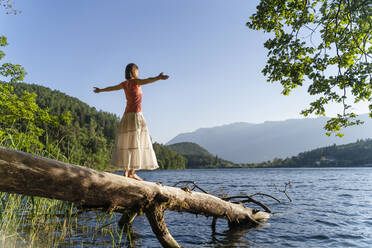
186	183
270	196
288	184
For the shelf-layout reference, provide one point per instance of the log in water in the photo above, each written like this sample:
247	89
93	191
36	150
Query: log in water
32	175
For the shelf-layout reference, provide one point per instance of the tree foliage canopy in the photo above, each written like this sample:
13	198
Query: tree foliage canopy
7	70
326	43
22	121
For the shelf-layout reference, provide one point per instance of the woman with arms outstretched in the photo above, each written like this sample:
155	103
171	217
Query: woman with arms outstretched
133	148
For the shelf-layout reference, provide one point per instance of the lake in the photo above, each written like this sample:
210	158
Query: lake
332	207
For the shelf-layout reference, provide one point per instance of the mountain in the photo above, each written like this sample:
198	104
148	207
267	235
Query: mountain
353	154
252	143
198	157
189	148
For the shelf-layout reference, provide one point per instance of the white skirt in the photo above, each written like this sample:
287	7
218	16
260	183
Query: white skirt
133	147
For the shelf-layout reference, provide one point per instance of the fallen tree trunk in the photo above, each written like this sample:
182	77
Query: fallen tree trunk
32	175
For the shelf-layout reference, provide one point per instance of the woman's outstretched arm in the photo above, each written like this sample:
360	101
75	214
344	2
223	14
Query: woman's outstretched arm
152	79
110	88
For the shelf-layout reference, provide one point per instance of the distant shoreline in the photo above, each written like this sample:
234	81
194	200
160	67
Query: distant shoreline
273	167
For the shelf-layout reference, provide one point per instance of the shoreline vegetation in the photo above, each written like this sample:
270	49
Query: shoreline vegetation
28	221
357	154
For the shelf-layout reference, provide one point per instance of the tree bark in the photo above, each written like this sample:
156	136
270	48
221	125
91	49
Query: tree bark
32	175
155	215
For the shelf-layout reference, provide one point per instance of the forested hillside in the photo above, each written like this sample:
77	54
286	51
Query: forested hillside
167	158
88	138
354	154
198	157
58	103
82	135
189	148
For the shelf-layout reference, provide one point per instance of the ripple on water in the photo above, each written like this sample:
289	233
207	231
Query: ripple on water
298	238
318	237
327	223
328	179
368	223
347	244
345	195
349	236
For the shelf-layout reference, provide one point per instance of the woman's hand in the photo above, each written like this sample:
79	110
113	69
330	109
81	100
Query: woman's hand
96	90
162	77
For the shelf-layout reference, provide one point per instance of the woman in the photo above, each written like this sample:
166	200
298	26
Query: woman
133	148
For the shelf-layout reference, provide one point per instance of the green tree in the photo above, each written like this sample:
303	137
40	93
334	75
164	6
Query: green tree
13	72
168	159
326	43
22	121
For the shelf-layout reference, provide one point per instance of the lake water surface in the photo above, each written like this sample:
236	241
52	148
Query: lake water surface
332	207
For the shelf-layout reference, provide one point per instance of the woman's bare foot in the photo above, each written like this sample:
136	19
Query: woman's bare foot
134	176
126	173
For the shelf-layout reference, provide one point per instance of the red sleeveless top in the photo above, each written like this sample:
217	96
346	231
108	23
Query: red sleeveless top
133	93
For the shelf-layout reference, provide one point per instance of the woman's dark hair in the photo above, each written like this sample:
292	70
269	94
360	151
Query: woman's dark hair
129	70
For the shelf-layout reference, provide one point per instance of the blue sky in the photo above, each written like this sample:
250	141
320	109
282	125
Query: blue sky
214	61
